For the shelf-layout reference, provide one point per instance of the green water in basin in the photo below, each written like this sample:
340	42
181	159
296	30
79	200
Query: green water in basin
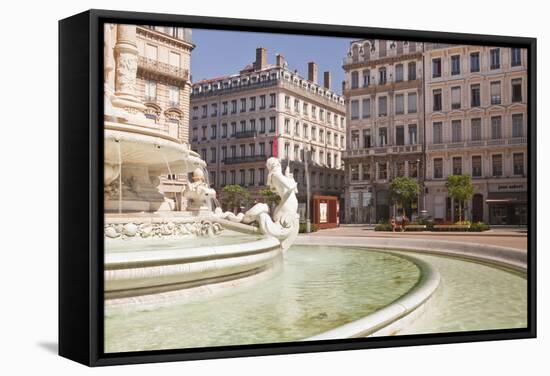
317	289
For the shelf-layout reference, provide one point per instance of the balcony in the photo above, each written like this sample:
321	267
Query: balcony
245	159
479	143
396	149
158	70
246	134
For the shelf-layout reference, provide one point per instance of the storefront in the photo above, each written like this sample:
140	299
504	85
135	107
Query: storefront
507	204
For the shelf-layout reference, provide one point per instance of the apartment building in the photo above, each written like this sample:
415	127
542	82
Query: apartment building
264	110
476	124
384	102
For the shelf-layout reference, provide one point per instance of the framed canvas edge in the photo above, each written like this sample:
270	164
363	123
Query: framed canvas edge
95	257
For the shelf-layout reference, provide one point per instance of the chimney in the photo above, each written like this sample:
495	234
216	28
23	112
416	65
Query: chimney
327	80
261	58
312	71
280	60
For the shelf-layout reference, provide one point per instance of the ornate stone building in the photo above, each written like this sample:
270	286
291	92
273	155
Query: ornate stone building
476	124
147	89
384	101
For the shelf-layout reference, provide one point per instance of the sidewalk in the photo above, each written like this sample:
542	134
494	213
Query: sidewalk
505	237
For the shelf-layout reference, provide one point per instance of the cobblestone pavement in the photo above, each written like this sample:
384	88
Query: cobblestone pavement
513	238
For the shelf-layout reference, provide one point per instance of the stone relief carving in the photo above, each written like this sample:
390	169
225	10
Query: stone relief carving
126	72
161	230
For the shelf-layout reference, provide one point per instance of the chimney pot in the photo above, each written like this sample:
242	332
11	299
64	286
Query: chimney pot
312	71
327	80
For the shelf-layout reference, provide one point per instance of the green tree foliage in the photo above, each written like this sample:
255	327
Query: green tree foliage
234	196
270	197
403	190
460	188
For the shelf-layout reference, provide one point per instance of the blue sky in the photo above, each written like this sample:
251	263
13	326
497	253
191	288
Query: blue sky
219	53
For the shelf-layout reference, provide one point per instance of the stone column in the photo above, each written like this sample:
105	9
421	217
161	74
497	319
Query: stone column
126	60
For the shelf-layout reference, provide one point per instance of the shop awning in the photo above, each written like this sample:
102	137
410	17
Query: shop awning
507	197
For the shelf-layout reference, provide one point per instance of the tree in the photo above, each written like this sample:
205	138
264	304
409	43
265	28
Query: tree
460	188
403	190
234	196
270	197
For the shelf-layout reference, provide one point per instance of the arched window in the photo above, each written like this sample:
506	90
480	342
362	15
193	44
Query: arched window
152	111
366	51
355	53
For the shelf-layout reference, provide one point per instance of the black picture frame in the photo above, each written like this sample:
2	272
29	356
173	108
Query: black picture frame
81	196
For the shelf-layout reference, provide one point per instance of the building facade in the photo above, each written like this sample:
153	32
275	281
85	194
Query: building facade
164	86
384	101
265	110
476	124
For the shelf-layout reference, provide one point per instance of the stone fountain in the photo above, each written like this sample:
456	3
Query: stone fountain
136	154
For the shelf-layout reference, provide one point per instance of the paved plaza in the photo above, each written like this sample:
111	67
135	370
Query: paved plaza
505	237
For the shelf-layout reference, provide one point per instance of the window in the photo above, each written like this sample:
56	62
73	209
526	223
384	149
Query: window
366	138
203	136
224	130
366	108
272	100
354	172
233	151
476	129
151	52
517	125
314	133
400	168
516	90
213	131
382	79
355	139
382	106
262	102
204	111
438	132
366	78
305	109
495	92
476	166
251	176
242	177
262	125
456	127
382	136
150	90
400	135
262	148
252	103
354	109
296	155
174	95
297	128
411	103
224	178
399	104
497	165
195	134
474	62
314	112
243	125
305	133
272	124
438	168
455	65
455	98
476	95
515	54
287	102
495	58
224	153
413	134
399	72
382	171
271	148
214	111
224	108
354	80
366	172
287	151
496	127
411	71
436	67
232	177
287	126
242	150
243	104
262	176
233	129
457	165
518	163
234	106
296	105
212	155
413	169
437	101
